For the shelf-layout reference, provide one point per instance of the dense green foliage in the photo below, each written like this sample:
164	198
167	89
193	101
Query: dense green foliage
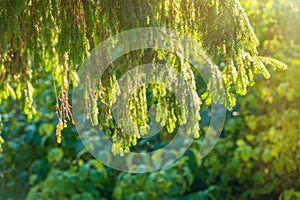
257	156
55	36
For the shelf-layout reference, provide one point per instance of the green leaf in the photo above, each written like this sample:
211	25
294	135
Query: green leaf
84	171
46	129
55	155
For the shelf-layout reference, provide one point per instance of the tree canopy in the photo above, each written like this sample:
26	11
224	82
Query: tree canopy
55	37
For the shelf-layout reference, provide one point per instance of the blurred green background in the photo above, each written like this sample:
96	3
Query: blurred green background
257	156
